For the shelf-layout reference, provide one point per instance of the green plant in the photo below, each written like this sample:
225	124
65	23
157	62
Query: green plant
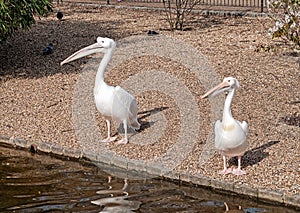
19	14
287	26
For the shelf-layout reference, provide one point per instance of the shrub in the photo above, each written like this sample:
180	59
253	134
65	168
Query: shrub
287	26
177	12
19	14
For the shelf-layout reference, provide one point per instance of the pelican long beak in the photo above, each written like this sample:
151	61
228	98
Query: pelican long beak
216	90
94	48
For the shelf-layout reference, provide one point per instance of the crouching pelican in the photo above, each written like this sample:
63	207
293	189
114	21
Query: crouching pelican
230	134
112	102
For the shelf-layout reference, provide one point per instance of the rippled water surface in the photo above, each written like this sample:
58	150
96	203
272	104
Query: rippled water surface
41	183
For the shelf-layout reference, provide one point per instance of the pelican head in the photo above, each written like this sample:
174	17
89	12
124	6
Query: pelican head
102	45
228	84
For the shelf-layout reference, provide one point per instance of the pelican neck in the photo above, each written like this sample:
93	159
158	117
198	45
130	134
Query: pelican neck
227	116
99	80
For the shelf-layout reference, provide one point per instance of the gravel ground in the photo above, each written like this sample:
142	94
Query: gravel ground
36	94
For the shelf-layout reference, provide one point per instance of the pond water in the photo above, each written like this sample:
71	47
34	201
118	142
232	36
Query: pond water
41	183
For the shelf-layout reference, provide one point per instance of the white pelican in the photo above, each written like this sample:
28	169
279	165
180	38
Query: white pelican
112	102
230	134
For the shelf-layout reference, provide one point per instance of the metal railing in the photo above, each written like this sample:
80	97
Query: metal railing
260	5
236	3
254	5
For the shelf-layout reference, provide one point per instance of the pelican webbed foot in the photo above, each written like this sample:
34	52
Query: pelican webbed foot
238	172
109	139
122	141
225	171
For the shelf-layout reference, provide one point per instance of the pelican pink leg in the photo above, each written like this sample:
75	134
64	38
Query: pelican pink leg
239	171
225	171
109	138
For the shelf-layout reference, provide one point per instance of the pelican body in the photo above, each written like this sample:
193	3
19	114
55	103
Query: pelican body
230	134
112	102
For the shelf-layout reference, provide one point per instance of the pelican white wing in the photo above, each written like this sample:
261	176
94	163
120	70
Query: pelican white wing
124	107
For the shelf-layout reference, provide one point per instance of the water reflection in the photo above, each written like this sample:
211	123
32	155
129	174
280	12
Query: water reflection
118	200
39	183
232	211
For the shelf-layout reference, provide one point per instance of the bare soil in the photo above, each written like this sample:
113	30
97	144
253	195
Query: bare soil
36	93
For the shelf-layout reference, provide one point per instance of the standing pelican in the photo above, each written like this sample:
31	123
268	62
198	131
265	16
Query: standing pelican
112	102
230	134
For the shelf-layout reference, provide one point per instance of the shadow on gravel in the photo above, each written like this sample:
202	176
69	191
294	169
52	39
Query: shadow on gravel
293	119
254	155
145	114
21	56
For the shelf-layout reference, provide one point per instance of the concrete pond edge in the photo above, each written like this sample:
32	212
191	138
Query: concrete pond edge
261	194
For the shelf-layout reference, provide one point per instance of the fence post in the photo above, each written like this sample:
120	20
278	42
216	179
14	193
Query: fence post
261	6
